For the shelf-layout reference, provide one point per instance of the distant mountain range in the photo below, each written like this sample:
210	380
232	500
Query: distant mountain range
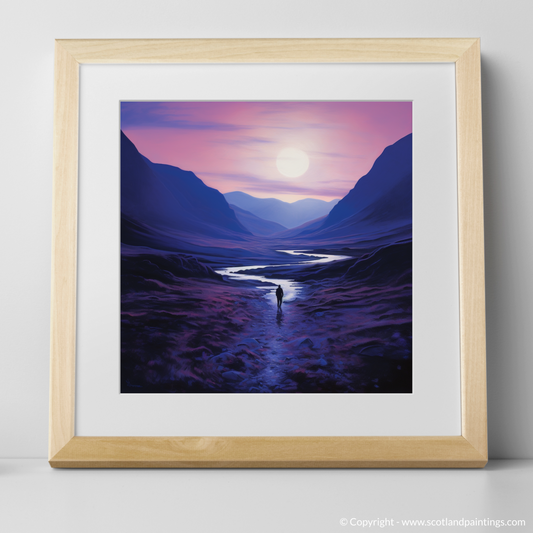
289	215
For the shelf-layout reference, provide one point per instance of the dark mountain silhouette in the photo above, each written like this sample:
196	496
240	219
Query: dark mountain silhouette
391	214
256	225
381	197
287	214
168	198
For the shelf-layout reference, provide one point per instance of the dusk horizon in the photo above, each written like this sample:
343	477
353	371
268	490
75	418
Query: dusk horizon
234	146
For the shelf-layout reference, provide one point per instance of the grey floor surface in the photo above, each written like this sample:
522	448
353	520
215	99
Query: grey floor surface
36	498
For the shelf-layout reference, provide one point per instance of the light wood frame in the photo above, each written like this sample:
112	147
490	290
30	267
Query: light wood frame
467	450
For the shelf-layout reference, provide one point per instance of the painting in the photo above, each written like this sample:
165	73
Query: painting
266	247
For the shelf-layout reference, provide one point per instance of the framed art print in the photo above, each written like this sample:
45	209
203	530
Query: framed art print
282	268
273	272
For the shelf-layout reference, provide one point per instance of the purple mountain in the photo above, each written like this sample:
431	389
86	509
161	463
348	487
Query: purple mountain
168	198
256	225
384	195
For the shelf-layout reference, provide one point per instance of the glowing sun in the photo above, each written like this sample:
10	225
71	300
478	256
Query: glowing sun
292	162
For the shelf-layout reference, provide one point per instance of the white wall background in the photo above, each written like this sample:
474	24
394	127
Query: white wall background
27	31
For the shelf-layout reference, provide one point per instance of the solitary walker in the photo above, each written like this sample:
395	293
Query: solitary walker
279	296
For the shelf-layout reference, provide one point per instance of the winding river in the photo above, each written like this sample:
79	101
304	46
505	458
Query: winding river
290	287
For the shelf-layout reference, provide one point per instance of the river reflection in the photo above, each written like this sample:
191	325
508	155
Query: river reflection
291	288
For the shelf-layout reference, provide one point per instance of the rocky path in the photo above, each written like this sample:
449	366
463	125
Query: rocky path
279	354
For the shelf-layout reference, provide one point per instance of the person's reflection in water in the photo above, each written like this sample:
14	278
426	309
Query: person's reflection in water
279	317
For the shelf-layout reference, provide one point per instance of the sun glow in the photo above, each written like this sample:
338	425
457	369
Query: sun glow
292	162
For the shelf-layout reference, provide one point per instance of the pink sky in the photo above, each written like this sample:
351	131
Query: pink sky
233	146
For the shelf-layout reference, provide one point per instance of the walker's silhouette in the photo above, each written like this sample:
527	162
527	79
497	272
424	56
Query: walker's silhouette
279	296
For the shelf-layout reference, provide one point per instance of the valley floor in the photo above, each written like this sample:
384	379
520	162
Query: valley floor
207	335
